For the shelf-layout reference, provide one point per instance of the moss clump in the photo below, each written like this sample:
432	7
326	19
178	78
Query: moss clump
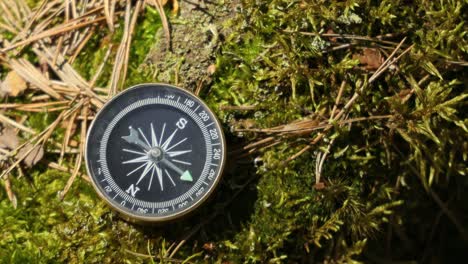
43	229
380	175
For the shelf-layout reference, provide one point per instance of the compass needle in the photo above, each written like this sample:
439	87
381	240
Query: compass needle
134	139
155	152
172	166
186	176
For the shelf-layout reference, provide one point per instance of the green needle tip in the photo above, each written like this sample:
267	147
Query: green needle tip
186	176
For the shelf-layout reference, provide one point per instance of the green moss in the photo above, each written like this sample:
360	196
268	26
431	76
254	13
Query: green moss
290	76
43	229
377	201
143	39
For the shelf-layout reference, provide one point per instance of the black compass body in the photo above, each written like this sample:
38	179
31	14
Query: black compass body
155	152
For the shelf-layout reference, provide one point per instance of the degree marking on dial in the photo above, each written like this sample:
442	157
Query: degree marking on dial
210	124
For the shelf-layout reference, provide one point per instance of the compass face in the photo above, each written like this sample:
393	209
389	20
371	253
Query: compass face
155	152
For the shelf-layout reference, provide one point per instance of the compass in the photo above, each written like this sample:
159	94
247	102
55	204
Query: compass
155	152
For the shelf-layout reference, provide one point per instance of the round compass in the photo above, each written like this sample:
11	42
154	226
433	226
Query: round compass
155	152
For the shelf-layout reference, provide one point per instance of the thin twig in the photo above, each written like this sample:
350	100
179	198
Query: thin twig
39	138
167	32
338	98
52	32
59	167
6	120
131	29
156	257
109	18
341	36
119	57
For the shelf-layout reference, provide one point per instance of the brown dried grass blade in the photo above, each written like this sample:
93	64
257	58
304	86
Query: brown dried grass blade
119	57
130	34
6	120
29	73
165	23
11	195
119	71
52	32
109	18
79	157
68	134
72	178
32	105
39	139
56	166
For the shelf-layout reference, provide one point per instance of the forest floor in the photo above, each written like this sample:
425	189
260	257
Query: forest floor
344	122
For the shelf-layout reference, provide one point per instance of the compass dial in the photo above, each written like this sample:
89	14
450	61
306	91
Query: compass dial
155	152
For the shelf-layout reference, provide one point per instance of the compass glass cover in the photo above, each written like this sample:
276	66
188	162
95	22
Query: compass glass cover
155	152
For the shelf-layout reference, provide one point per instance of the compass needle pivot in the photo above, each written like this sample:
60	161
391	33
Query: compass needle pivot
155	152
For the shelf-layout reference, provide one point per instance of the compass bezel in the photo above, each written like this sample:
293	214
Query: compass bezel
139	218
